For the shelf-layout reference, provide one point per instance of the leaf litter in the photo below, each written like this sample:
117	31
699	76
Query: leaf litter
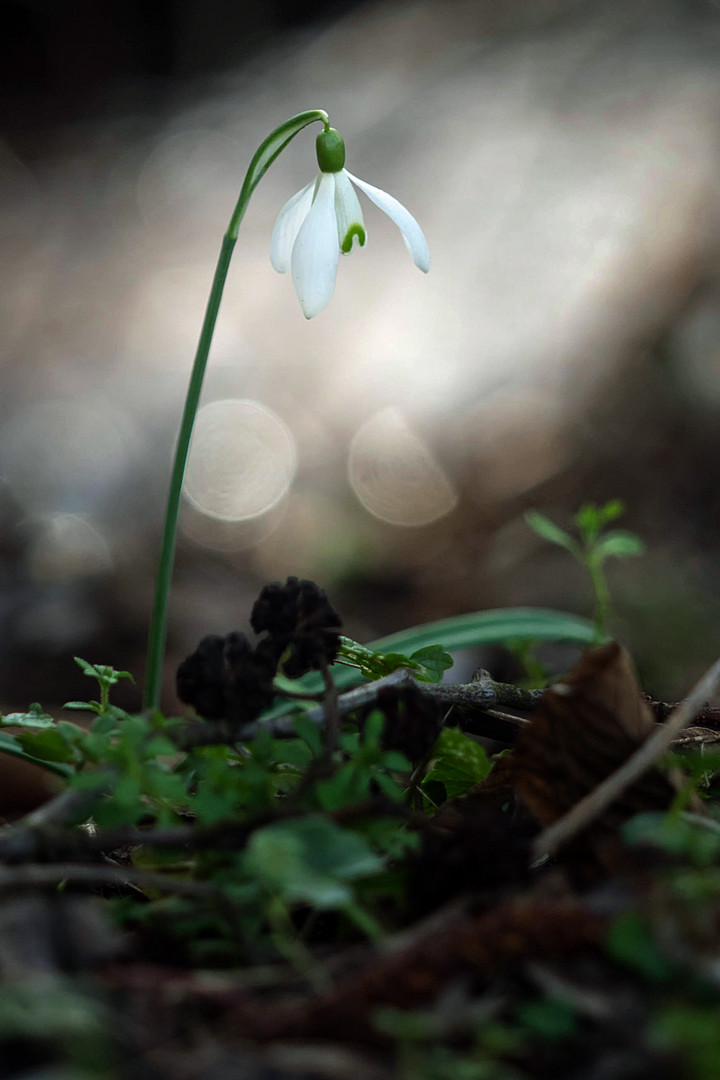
480	960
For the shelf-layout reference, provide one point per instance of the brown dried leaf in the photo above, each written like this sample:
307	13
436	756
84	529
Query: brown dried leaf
585	727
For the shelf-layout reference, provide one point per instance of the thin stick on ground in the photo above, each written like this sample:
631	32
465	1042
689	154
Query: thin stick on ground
43	875
330	709
592	805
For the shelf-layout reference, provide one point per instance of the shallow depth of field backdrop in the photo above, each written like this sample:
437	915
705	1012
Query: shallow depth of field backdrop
564	160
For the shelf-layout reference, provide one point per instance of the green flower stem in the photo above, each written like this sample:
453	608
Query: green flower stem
267	152
158	624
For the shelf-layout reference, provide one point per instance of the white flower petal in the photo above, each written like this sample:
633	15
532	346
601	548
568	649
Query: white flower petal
350	221
411	232
316	253
287	227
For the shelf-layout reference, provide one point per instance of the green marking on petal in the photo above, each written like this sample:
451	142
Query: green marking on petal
347	243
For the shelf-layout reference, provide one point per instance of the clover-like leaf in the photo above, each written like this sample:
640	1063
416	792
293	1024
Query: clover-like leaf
310	860
460	762
434	661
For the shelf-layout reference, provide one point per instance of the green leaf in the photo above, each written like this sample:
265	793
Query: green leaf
103	725
427	664
310	859
10	745
309	733
385	663
690	1030
93	781
388	786
591	519
551	532
493	626
127	792
110	812
675	835
549	1018
159	746
293	752
104	673
610	511
374	665
347	786
210	806
395	762
48	745
34	717
461	762
631	942
434	660
372	730
618	544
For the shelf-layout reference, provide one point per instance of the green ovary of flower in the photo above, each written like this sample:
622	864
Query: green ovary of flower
330	150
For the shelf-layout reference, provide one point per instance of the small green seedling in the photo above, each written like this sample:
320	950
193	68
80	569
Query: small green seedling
106	677
593	548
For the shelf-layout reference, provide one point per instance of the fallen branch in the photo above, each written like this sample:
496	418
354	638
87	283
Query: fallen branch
20	844
56	874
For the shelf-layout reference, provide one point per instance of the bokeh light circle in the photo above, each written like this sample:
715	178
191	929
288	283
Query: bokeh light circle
395	475
242	460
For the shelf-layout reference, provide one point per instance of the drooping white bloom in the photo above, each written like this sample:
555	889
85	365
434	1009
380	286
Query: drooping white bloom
324	219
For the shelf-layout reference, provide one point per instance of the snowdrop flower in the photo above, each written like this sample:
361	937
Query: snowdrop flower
325	219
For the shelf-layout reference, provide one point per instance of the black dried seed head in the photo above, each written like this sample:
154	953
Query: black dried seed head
297	616
267	657
412	721
226	679
200	678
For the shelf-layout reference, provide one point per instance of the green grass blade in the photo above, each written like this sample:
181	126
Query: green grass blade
490	627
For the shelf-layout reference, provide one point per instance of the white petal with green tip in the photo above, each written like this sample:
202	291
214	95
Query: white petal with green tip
411	232
315	253
350	221
287	227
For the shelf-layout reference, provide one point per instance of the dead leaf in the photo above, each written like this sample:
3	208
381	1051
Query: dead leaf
585	727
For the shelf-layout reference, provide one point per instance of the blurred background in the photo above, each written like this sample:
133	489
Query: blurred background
563	159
